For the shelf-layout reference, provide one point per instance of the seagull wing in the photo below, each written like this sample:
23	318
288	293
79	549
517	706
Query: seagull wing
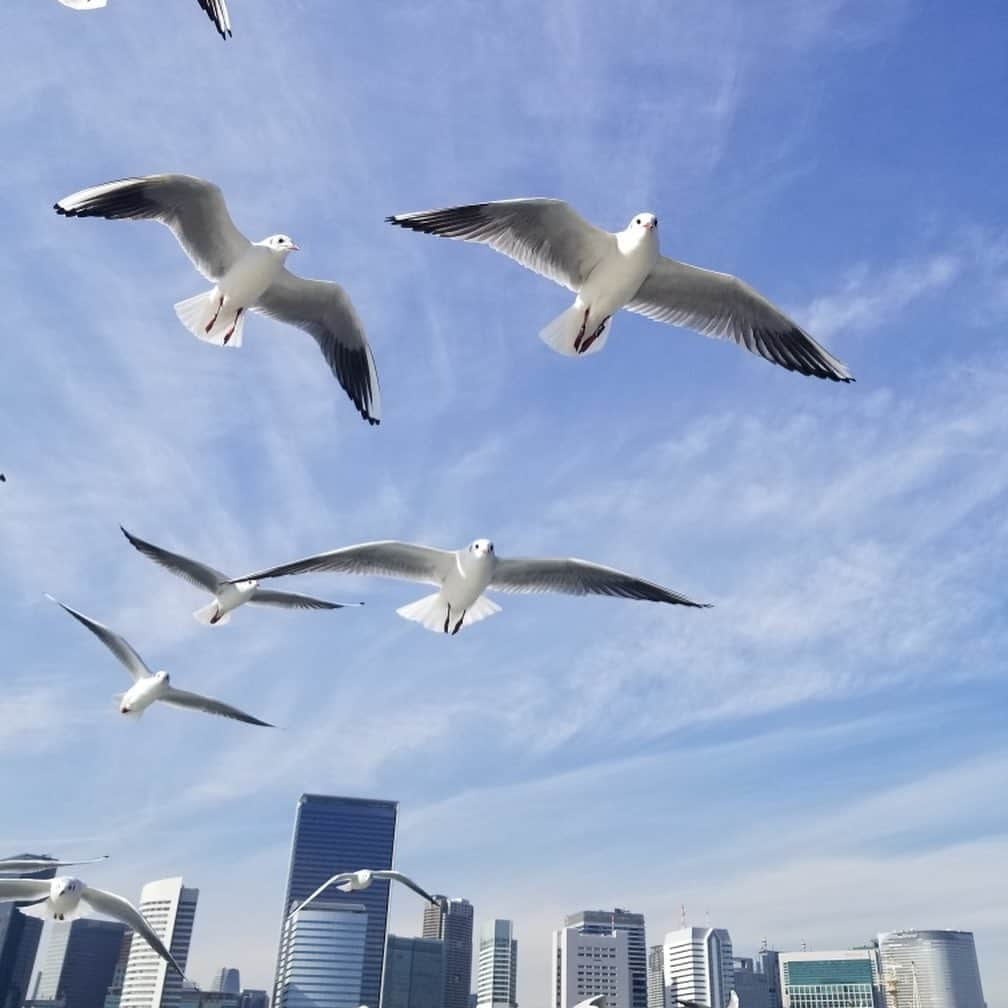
119	646
115	906
383	559
544	235
192	207
335	880
289	600
23	888
84	4
406	881
578	577
23	865
195	573
195	701
722	306
323	310
217	11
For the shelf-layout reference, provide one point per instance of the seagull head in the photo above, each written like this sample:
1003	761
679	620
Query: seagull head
64	885
247	585
643	222
281	245
163	677
482	548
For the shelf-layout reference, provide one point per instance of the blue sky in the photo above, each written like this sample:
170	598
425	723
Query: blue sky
818	758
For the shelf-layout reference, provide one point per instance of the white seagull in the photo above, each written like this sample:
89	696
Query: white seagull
462	576
625	270
25	866
63	895
246	275
149	687
216	10
733	1002
353	881
228	595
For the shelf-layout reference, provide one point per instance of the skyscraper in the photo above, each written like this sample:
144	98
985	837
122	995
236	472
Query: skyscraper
588	964
47	983
697	964
227	980
751	983
322	958
333	835
170	909
19	939
770	963
252	998
656	977
497	966
414	973
605	922
114	993
80	961
452	921
930	969
828	979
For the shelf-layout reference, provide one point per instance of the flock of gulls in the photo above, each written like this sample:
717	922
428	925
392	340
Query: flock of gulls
606	272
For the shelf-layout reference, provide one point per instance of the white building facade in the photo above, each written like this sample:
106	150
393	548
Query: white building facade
697	966
497	966
588	964
170	909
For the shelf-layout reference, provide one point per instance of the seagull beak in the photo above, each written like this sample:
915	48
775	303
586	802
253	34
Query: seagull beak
295	248
652	225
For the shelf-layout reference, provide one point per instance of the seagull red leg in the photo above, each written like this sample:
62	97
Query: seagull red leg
213	321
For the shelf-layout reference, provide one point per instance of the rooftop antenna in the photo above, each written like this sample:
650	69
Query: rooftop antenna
804	945
763	945
706	918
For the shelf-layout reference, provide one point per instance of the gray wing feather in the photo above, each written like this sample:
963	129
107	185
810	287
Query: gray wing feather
722	306
406	881
40	864
193	208
342	877
195	573
119	646
323	310
23	889
579	577
545	235
290	600
217	11
195	701
387	558
115	906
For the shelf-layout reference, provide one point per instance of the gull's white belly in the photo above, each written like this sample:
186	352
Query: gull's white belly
616	280
64	904
249	277
466	582
231	596
142	694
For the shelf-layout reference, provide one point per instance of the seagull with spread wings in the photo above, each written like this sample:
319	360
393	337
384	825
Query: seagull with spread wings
462	576
149	687
228	595
216	10
362	879
63	896
247	276
610	271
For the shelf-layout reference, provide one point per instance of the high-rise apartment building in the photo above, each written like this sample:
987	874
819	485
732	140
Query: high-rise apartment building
656	977
930	969
19	940
227	980
751	983
451	921
697	963
170	909
586	964
604	922
497	966
829	979
414	973
333	835
323	956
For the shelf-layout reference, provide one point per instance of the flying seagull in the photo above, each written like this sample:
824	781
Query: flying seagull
216	10
625	270
462	576
25	866
733	1002
246	275
63	895
149	687
353	881
227	595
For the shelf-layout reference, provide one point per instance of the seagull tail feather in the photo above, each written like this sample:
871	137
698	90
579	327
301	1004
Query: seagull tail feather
562	333
208	612
431	612
196	314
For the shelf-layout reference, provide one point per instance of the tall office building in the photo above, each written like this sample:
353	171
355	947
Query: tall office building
170	909
252	998
114	993
829	979
751	983
656	977
586	964
697	964
80	961
414	973
46	984
930	969
19	940
227	980
451	921
603	922
333	835
769	960
497	966
324	949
